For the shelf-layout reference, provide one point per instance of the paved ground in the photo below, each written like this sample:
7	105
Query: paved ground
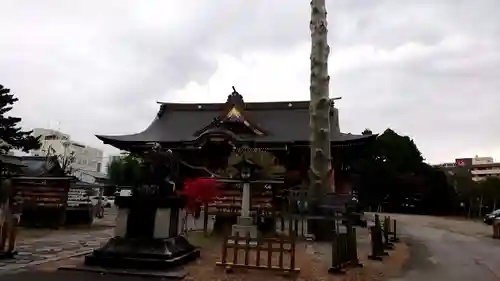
54	245
43	246
45	251
449	249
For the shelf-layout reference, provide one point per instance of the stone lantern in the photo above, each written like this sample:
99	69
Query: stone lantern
245	225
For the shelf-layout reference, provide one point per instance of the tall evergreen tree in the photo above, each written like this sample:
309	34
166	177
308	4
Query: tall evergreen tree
10	131
125	171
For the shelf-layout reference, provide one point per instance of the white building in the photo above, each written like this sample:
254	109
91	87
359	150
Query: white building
480	167
87	160
483	167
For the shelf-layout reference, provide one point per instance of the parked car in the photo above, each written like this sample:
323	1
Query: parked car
105	201
489	218
111	201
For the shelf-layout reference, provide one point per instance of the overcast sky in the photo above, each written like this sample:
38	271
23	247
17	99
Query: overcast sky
429	69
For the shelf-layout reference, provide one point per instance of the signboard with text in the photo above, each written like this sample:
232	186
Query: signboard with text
38	192
463	162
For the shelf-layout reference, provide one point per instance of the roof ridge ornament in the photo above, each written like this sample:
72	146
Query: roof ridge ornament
235	99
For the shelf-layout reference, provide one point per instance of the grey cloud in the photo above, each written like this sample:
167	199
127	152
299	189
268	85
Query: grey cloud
99	66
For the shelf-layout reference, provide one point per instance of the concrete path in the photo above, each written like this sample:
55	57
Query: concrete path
56	245
449	249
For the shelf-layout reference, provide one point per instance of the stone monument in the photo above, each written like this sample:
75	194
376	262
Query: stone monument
149	221
245	225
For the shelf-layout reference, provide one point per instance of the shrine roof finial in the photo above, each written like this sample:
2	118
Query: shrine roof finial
235	98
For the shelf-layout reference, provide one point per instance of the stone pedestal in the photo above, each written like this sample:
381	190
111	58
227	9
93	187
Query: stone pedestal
146	236
121	222
244	227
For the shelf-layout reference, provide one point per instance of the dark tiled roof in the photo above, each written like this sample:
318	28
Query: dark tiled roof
41	166
11	160
282	121
94	174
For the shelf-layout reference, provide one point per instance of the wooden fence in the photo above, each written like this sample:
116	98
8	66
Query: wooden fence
255	250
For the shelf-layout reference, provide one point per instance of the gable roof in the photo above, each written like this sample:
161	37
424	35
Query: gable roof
282	122
41	166
11	160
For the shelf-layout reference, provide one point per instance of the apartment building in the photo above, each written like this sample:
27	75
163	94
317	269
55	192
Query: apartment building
88	160
479	167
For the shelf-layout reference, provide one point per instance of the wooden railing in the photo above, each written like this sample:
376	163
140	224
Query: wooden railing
254	249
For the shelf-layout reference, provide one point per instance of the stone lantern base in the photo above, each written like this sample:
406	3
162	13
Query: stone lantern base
243	228
155	254
146	236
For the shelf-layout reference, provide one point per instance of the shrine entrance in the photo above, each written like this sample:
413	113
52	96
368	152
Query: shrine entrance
258	153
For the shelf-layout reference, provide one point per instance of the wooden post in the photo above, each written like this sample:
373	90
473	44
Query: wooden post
259	242
205	218
353	248
282	218
235	248
387	244
292	252
280	260
343	246
375	255
247	248
224	250
336	263
377	243
296	232
395	238
269	253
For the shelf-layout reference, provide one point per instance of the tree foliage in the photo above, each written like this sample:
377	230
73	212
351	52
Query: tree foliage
367	132
10	131
392	174
125	170
65	160
198	192
265	160
490	188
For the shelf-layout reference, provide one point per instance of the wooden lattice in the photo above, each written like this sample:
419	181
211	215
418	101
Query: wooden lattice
259	253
